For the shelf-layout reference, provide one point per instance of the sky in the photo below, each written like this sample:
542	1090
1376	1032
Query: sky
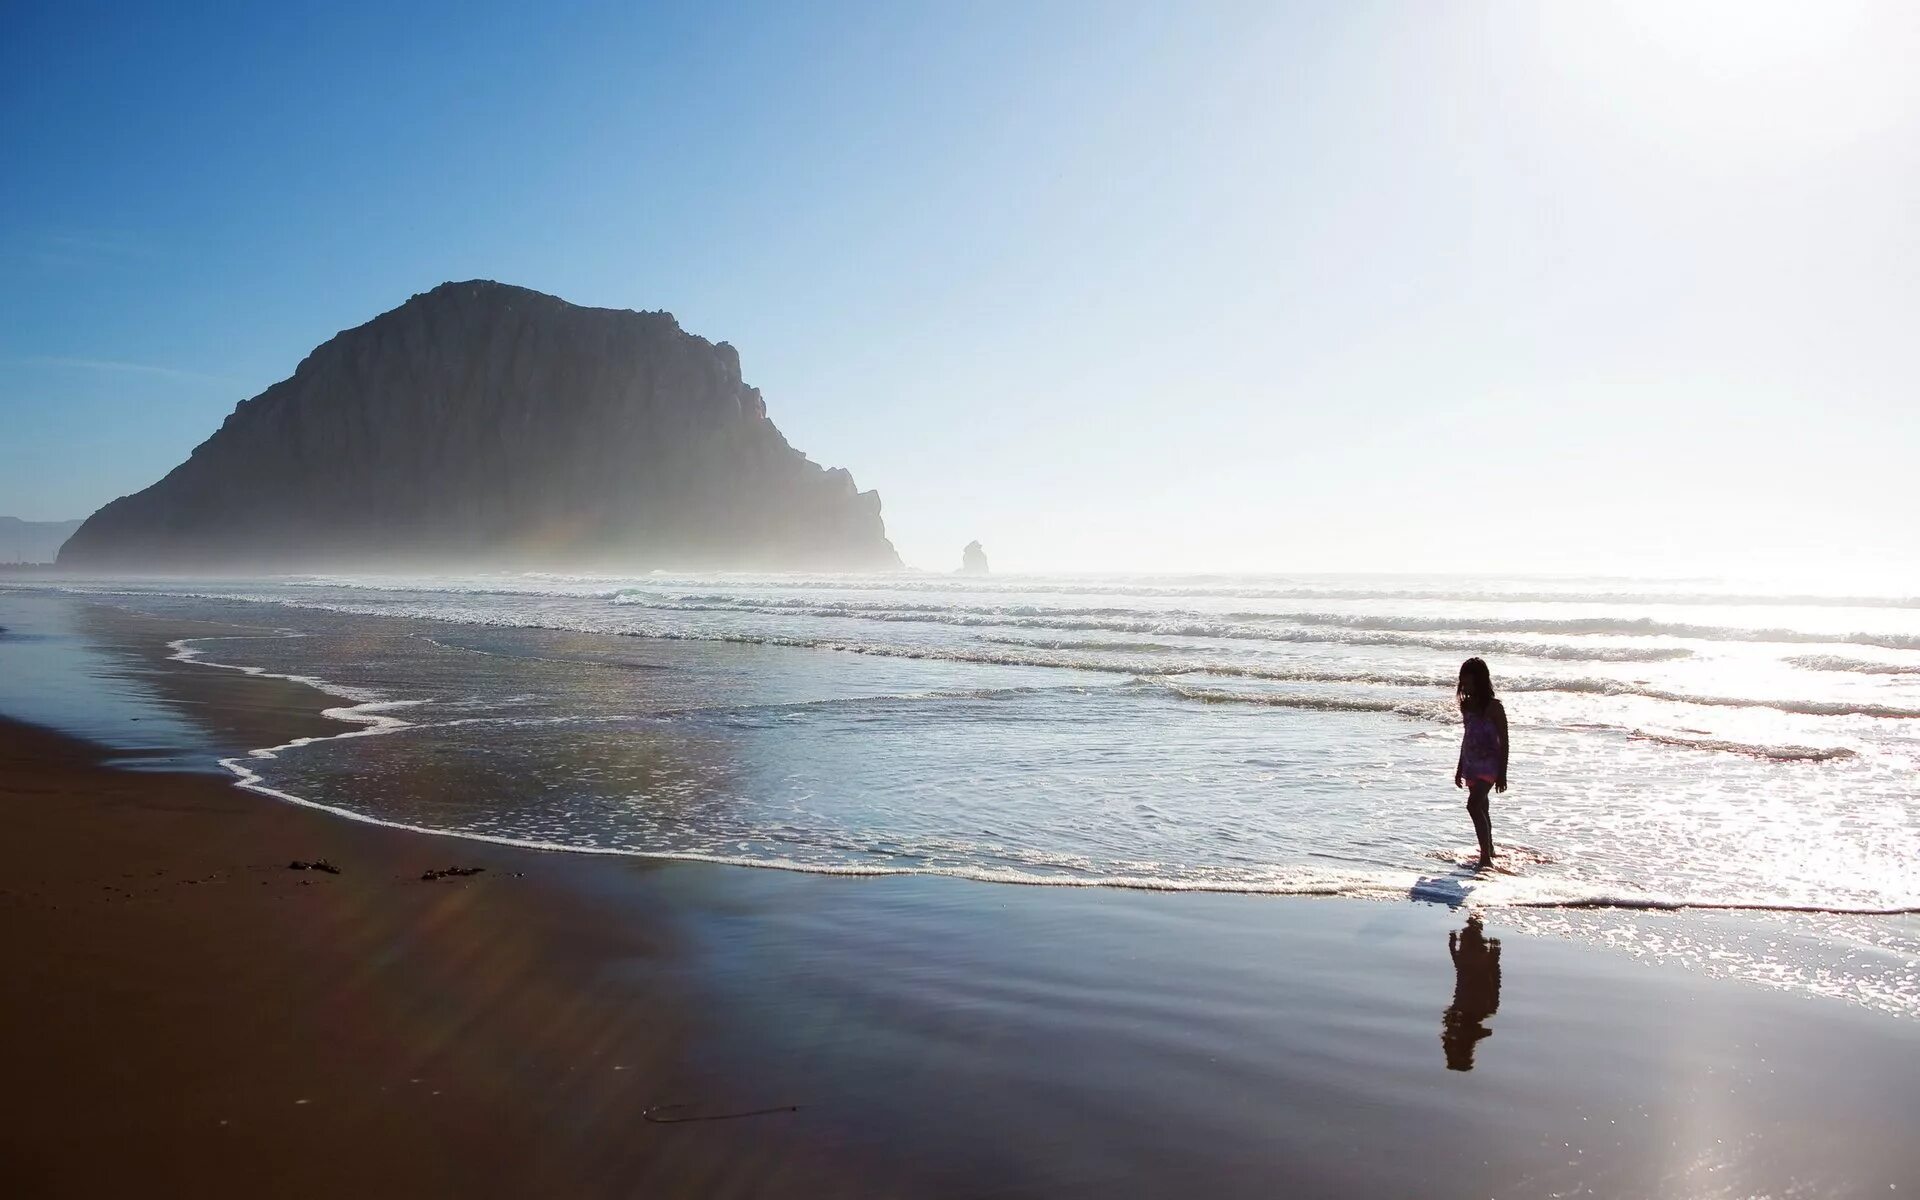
1474	287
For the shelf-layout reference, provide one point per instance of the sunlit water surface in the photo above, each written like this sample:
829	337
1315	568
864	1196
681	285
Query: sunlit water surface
1673	743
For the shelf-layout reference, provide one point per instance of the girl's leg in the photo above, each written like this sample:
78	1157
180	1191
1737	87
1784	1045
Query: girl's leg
1482	820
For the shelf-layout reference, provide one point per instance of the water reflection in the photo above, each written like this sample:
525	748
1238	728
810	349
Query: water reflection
52	672
1476	993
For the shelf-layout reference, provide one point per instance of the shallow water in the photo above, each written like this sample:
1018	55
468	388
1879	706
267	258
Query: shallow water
1674	743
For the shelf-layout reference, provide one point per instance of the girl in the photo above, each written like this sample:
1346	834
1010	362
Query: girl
1483	749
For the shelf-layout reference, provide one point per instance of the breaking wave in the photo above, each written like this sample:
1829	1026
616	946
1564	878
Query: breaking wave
1775	753
1832	662
1429	709
1234	627
1597	687
1244	623
1085	644
1805	708
1607	627
1215	587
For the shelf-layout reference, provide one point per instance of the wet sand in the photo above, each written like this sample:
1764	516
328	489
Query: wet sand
183	1014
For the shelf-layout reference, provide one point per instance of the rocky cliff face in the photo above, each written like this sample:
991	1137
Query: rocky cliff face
482	425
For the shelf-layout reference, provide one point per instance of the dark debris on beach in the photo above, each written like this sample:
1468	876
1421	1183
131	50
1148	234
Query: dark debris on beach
449	873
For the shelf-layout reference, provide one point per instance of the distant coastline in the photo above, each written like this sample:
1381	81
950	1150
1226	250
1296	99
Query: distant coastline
32	543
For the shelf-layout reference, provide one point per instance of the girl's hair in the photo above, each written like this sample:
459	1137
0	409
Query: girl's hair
1475	690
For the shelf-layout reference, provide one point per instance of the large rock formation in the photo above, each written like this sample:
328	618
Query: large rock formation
973	559
32	541
482	425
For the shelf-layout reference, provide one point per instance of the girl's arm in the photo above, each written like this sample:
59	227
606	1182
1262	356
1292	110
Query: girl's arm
1500	716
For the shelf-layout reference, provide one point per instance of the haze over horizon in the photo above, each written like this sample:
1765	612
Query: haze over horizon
1615	288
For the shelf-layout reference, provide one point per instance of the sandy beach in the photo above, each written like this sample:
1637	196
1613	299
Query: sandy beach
185	1014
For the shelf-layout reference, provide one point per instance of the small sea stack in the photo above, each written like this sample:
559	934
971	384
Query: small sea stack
973	560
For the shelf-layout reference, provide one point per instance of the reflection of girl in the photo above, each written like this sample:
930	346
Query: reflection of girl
1483	749
1476	993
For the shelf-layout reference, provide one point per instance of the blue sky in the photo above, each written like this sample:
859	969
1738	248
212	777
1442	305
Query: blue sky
1108	285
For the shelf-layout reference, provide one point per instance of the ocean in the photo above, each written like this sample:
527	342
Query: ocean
1676	744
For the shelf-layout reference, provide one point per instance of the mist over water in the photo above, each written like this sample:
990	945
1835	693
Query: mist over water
1673	744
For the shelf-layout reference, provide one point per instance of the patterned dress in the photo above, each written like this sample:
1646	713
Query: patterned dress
1481	745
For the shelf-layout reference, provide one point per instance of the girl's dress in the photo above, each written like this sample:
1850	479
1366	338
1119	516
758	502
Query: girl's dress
1480	746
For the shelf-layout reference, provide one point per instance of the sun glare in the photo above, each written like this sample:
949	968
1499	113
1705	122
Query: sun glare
1727	75
1734	40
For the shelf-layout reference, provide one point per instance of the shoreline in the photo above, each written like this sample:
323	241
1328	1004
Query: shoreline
939	1037
1058	1042
189	1004
365	713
